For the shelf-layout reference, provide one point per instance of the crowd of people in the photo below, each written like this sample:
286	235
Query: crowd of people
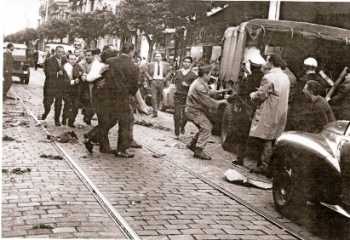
270	98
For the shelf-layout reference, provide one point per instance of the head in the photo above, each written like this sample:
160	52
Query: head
187	62
108	54
310	64
129	49
312	88
204	72
97	54
89	57
274	61
10	47
77	52
72	59
158	57
59	51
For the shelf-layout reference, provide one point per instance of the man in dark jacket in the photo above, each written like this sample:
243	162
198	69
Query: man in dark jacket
72	74
122	80
8	68
54	84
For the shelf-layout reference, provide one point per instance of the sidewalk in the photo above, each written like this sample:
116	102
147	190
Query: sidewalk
42	197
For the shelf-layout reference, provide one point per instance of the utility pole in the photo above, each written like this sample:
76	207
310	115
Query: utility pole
274	10
46	9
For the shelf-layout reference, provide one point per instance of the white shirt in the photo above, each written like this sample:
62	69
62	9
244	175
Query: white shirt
155	74
95	71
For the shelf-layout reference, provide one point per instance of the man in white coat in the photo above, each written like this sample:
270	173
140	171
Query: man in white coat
271	115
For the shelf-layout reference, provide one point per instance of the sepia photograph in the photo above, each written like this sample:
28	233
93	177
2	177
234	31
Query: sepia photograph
175	119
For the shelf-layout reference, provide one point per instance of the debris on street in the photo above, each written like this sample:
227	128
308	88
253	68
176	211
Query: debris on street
53	157
20	170
236	177
158	155
66	137
8	139
42	226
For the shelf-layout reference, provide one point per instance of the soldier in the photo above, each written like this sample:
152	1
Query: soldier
54	84
8	68
199	104
183	79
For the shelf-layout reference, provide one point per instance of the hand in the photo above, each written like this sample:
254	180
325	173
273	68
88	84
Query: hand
185	84
252	95
83	77
60	72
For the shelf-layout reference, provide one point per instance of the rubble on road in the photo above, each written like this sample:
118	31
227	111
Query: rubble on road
8	138
66	137
236	177
151	125
50	156
20	170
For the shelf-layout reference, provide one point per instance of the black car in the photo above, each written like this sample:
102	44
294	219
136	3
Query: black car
311	168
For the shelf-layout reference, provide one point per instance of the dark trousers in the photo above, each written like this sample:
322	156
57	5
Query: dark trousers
108	117
179	114
7	83
71	106
88	110
50	96
157	87
260	150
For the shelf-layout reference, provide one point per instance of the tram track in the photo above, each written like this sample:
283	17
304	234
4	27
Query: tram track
222	190
101	199
119	220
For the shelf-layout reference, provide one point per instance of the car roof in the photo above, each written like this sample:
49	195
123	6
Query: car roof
308	30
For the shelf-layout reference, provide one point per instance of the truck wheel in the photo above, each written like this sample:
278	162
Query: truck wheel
26	80
227	128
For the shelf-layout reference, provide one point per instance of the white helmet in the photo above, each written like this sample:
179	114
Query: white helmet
310	62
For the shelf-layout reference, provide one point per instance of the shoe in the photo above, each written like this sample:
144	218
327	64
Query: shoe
134	144
124	154
88	145
199	153
191	146
238	162
57	123
64	121
43	116
183	131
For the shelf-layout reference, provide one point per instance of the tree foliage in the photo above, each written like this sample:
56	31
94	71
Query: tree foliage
23	36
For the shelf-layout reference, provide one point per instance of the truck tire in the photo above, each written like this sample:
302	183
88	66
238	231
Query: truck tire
227	128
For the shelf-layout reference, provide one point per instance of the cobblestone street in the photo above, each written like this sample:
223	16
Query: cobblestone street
161	197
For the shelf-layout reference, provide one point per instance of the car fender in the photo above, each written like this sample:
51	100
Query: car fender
314	145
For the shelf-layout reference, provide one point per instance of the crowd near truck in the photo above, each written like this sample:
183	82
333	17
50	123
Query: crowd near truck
307	167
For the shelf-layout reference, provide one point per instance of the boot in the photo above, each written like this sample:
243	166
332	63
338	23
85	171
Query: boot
192	144
199	153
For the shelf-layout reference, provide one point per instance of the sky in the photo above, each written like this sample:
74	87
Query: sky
19	14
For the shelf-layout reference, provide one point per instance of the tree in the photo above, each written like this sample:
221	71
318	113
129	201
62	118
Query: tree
26	35
149	16
152	17
91	26
55	28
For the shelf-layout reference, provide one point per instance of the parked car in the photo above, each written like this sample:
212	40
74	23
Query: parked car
21	62
313	168
294	41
